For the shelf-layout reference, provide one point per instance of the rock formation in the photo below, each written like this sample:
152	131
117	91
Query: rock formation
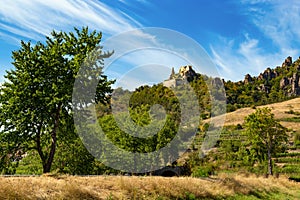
284	82
217	82
291	84
248	79
287	62
268	74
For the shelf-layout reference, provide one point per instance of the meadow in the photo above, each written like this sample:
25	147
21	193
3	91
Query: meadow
223	186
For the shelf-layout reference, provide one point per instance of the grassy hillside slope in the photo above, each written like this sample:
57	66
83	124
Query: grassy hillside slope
282	111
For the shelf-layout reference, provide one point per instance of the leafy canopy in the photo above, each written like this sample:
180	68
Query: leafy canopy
36	99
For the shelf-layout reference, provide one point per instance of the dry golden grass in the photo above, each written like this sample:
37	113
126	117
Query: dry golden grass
279	109
118	187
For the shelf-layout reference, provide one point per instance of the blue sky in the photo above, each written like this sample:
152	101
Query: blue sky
240	37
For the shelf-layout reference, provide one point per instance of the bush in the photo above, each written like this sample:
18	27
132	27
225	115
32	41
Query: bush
30	164
202	171
291	169
297	139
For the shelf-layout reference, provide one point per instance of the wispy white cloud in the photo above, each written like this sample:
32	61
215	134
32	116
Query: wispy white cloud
278	21
128	2
235	59
35	18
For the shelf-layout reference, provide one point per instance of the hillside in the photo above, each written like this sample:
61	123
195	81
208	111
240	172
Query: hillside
283	111
271	86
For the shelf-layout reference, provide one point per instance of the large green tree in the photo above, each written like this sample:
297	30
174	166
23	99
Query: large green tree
36	99
265	136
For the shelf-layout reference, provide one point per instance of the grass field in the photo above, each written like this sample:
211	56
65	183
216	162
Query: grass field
124	187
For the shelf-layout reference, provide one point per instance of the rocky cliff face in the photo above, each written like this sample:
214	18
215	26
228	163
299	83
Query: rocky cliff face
287	62
291	84
268	74
290	81
248	79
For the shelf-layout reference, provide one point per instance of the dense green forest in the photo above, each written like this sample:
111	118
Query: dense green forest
38	133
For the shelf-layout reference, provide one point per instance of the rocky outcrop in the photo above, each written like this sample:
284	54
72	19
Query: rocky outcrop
290	84
293	82
217	82
268	74
284	82
248	79
287	62
264	88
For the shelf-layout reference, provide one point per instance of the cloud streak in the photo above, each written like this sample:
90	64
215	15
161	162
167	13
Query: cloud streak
34	19
236	59
279	21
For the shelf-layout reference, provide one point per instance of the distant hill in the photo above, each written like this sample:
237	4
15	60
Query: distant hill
271	86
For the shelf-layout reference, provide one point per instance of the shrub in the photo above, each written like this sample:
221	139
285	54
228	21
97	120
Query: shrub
202	171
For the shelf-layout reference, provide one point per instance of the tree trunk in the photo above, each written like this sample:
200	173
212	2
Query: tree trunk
38	145
48	164
270	167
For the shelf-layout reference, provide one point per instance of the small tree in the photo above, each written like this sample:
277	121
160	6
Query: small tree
266	136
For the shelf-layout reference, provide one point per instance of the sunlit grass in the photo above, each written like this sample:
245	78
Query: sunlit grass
122	187
281	111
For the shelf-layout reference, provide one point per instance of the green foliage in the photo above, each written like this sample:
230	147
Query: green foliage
30	164
73	158
288	160
293	154
265	136
292	112
8	157
36	99
261	91
189	196
297	139
291	168
202	171
123	139
291	119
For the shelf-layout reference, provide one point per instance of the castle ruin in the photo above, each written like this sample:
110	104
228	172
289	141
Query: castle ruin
185	75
